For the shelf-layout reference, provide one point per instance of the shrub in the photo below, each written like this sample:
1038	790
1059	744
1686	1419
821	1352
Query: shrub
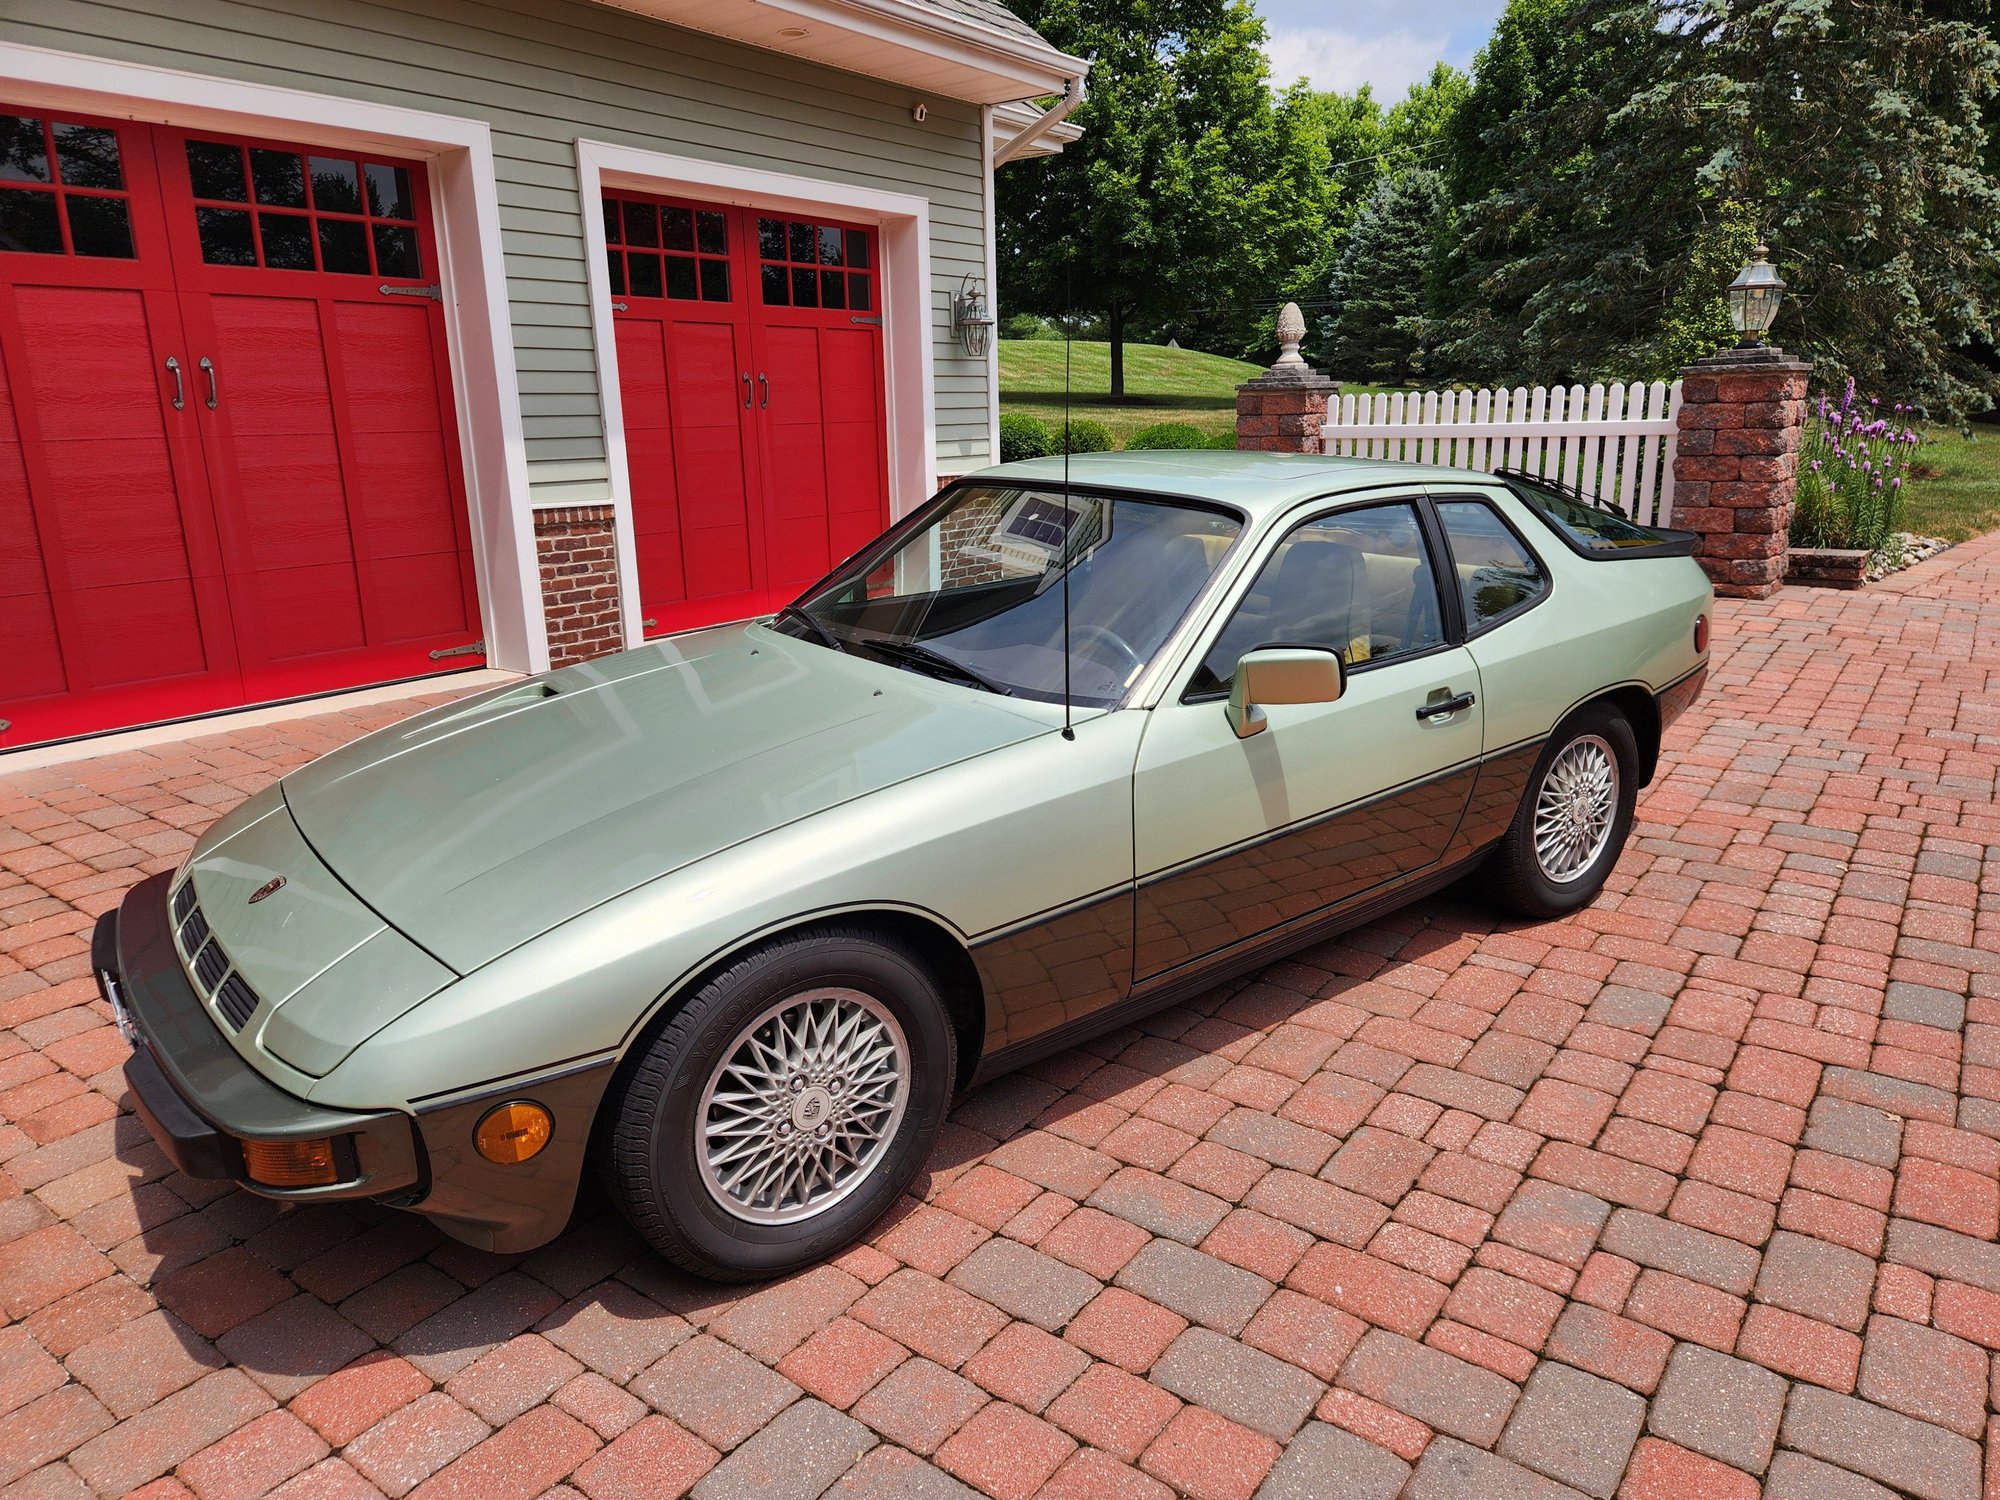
1224	440
1023	436
1852	463
1086	436
1168	435
1027	326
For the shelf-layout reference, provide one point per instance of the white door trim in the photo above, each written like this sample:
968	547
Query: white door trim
904	226
465	205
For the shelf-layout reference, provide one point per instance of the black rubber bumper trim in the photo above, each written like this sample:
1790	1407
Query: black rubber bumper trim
196	1095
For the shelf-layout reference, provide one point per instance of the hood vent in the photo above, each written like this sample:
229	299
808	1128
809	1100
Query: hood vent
235	1001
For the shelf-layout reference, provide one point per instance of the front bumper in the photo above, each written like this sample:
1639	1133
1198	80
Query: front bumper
200	1099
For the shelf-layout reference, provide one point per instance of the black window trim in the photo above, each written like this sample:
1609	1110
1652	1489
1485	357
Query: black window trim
1476	497
1450	622
1674	542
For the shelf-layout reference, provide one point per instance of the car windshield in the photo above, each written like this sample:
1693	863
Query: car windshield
974	593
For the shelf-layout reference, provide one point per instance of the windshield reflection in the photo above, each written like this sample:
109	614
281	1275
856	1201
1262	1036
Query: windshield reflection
977	589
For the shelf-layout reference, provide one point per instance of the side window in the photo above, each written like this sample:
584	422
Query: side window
1359	581
1497	574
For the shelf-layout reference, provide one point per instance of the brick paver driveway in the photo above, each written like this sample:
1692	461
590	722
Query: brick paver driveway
1692	1193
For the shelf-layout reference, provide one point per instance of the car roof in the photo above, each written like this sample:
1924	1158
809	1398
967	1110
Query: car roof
1259	483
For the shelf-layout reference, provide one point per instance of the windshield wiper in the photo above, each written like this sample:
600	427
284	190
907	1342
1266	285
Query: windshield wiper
923	656
812	622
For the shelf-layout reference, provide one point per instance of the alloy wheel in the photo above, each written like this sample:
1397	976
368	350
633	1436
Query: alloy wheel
1575	808
803	1106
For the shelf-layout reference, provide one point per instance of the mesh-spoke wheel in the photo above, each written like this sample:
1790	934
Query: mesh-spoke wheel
1575	807
802	1106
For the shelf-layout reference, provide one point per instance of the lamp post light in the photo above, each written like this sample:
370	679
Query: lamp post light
1753	300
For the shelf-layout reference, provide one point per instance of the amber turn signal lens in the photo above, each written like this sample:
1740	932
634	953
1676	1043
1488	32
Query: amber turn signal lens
291	1163
513	1132
1701	632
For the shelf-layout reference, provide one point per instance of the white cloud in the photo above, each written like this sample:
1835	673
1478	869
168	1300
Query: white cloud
1344	60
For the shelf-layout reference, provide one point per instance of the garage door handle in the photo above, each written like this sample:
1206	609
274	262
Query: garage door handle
208	369
180	391
765	386
746	390
1445	706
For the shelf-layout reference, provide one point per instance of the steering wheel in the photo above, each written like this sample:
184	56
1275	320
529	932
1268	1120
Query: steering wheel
1087	632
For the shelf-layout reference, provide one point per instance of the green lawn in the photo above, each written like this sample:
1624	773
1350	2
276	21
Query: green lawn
1161	385
1956	497
1958	494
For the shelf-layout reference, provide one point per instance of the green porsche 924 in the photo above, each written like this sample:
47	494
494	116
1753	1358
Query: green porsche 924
730	918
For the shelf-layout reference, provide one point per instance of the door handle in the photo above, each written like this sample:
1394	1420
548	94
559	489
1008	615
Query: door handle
1447	706
180	391
764	386
746	390
208	369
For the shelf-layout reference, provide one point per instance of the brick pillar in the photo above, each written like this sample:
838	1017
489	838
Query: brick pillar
577	552
1736	464
1284	409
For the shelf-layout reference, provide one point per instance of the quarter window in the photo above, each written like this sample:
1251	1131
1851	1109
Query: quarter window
1359	582
1497	574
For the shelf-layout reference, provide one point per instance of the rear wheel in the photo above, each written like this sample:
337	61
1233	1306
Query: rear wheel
785	1106
1573	820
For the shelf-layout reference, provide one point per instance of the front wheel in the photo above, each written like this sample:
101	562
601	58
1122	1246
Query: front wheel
785	1106
1573	820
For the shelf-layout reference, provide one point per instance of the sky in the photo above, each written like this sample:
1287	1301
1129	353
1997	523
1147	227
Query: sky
1342	44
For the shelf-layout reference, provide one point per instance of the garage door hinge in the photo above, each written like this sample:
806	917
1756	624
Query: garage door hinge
434	293
477	648
874	322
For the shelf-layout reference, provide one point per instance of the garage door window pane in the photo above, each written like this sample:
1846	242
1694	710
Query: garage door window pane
100	226
225	237
777	287
680	278
336	187
615	266
645	273
24	153
1497	574
396	251
711	233
89	156
857	249
343	247
771	238
28	222
642	224
279	179
858	296
715	281
389	194
217	171
805	288
287	241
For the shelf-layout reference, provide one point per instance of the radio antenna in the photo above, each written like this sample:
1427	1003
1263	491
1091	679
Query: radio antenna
1069	515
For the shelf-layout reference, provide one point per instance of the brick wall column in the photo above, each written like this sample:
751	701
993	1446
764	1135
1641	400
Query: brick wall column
1283	412
1736	464
576	550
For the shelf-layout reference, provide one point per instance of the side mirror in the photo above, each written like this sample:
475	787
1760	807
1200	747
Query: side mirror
1282	674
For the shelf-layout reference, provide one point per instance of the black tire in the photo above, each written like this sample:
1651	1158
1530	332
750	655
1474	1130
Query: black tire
1514	876
650	1160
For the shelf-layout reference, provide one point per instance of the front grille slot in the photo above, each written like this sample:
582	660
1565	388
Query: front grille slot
234	1000
210	965
237	1001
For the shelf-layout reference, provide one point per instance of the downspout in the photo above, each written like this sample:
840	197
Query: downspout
1051	117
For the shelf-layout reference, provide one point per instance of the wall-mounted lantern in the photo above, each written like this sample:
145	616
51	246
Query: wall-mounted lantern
971	318
1753	299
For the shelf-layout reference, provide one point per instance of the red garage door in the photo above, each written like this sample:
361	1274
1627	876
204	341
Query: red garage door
750	372
228	462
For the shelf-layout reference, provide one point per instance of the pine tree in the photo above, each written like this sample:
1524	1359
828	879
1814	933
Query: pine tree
1379	285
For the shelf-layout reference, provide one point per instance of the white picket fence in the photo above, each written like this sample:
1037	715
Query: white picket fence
1613	442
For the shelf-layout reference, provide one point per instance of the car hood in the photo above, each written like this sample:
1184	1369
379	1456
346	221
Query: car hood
474	827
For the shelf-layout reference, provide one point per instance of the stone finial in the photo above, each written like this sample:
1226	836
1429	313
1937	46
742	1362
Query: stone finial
1291	333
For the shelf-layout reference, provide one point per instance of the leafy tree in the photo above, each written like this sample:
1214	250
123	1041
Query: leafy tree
1191	188
1379	284
1647	142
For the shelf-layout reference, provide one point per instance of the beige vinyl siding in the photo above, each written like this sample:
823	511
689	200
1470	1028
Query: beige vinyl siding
543	73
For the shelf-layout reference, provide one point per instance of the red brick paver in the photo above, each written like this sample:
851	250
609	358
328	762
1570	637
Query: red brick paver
1725	1145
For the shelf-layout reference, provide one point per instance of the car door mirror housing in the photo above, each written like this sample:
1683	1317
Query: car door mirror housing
1282	674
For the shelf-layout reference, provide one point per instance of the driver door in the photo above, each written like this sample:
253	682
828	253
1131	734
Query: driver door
1236	838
